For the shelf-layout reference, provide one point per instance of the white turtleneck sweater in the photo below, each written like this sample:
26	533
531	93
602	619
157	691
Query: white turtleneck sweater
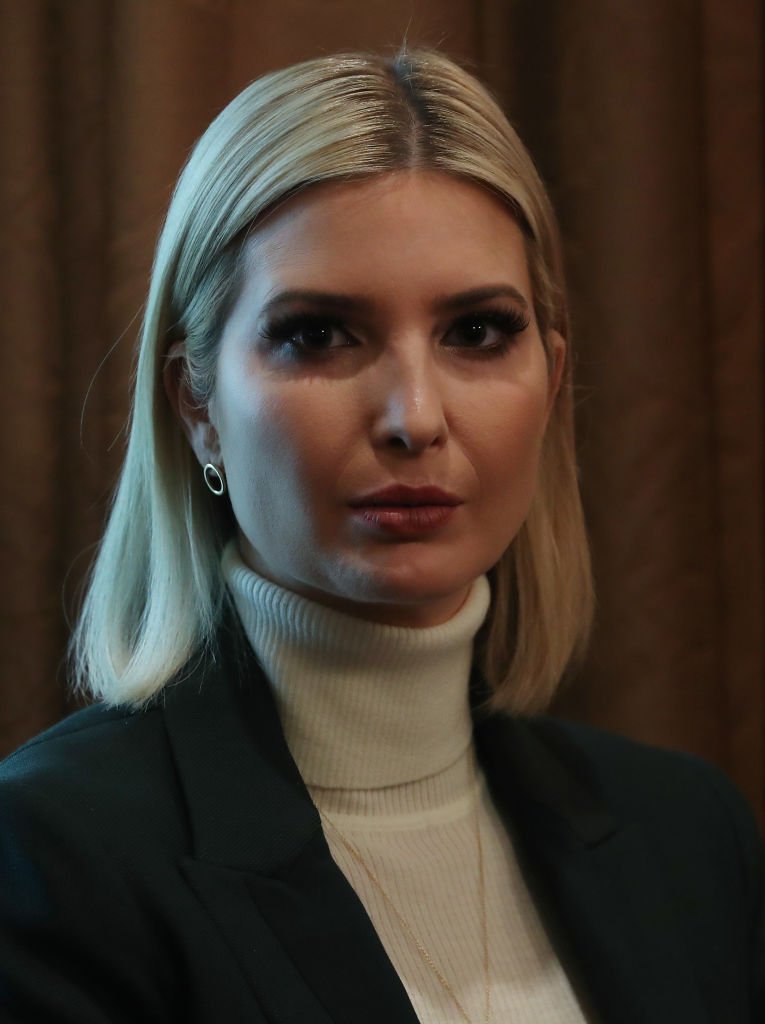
378	721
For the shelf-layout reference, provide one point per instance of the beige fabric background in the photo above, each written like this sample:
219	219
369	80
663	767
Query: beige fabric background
646	121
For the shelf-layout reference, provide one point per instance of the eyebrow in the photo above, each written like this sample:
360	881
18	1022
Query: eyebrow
336	301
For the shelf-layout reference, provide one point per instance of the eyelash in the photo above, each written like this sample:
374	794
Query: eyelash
281	331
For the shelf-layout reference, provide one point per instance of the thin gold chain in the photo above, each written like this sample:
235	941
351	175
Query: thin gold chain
426	957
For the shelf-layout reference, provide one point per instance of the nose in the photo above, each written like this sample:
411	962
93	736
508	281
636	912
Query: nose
408	403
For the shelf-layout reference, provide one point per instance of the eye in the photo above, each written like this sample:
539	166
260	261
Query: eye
306	333
490	331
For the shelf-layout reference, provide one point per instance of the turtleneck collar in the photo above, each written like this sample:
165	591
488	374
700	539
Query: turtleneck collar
363	705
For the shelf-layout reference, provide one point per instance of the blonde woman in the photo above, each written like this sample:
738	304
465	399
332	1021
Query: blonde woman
344	572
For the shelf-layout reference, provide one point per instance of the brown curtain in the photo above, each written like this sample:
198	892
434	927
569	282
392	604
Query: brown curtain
646	121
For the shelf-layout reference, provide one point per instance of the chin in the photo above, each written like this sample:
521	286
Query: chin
405	590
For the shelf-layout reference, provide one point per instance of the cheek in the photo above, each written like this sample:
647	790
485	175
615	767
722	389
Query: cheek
257	445
272	447
507	438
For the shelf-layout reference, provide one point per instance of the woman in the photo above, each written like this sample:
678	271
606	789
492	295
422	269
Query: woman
347	541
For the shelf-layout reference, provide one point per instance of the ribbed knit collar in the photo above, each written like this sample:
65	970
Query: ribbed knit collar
363	705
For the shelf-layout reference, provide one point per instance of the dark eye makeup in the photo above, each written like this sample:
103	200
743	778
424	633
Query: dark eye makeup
306	333
483	332
488	331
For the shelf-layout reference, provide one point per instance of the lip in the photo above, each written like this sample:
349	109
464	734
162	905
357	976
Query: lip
403	495
403	511
404	521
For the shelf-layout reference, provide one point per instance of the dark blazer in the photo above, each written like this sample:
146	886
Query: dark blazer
169	865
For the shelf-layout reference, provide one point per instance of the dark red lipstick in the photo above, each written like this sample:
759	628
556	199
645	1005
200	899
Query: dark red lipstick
403	494
405	511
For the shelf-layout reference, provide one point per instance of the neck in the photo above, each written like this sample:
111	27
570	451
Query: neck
362	704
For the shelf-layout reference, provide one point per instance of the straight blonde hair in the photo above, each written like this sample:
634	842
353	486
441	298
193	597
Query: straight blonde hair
156	594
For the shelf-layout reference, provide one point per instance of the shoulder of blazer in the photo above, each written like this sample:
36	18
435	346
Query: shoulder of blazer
682	799
91	746
104	775
184	772
644	780
98	789
587	780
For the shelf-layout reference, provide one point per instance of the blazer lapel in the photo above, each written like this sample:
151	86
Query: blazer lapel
603	898
260	863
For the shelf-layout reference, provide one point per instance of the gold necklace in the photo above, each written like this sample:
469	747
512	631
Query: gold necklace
425	956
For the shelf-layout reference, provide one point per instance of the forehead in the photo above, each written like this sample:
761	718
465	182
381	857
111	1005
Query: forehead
395	230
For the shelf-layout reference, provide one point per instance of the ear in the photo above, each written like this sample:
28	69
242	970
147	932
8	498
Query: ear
194	419
557	350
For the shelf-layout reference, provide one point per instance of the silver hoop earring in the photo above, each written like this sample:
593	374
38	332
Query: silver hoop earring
214	479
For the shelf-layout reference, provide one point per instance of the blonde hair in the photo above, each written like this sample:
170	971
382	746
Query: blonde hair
156	592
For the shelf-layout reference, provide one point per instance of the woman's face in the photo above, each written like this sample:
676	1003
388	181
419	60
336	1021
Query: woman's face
384	337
